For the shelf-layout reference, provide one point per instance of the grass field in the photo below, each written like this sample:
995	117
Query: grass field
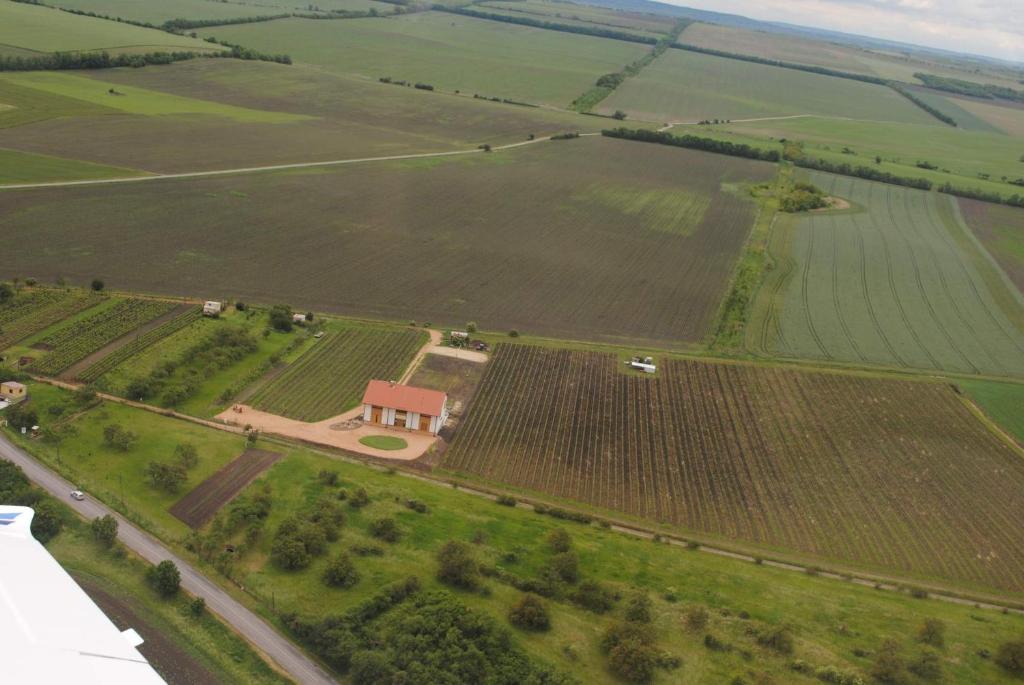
594	238
330	378
951	107
689	87
898	280
322	116
1001	231
451	52
880	473
43	29
25	167
832	621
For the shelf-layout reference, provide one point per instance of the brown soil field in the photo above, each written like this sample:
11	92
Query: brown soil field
456	377
888	475
586	238
1001	231
353	117
205	500
173	663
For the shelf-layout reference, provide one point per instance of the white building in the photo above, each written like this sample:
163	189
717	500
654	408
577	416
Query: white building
403	406
212	308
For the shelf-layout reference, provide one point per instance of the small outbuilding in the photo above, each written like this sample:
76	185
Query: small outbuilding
13	391
211	308
403	406
298	318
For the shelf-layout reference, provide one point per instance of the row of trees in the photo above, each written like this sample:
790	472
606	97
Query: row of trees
941	116
551	25
860	171
987	91
694	143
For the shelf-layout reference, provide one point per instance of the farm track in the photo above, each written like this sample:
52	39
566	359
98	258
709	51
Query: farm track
769	456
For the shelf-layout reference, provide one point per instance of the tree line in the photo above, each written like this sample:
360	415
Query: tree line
692	142
987	91
941	116
550	25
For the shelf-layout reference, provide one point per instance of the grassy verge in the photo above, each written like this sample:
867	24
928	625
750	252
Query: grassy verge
1002	402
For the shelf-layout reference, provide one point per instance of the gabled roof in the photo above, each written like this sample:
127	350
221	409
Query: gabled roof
405	398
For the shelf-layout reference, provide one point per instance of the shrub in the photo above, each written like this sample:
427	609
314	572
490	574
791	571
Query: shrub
281	318
370	668
187	455
927	665
328	478
417	506
695	617
240	306
638	609
104	530
889	667
341	572
932	632
116	436
506	501
197	607
633	661
47	522
166	477
529	613
289	553
513	333
359	500
559	540
565	566
831	674
714	644
456	565
97	284
776	638
594	596
385	529
1010	656
165	578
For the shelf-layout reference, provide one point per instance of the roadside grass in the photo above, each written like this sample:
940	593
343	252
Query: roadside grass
688	86
205	639
25	167
832	620
384	442
450	52
1002	402
131	100
45	29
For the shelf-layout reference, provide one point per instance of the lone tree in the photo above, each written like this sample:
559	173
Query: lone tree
186	454
456	565
167	477
97	285
118	437
341	572
619	115
529	613
104	530
165	578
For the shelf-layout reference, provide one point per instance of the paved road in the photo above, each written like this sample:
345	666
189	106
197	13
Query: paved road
286	655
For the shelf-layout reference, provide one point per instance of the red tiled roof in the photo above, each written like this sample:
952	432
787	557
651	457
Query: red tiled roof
405	398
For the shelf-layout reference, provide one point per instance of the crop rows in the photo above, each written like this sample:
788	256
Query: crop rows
83	337
33	312
330	378
893	475
900	284
206	499
139	344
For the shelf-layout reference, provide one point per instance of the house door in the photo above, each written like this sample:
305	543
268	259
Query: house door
424	423
375	415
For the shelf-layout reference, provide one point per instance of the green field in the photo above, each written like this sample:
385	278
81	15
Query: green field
558	11
38	29
897	280
25	167
330	377
1001	231
689	87
225	108
1002	402
963	154
597	238
165	10
831	621
450	52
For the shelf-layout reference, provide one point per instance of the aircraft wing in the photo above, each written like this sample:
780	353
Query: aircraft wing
51	631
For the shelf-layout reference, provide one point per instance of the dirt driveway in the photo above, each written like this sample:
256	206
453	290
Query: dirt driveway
343	431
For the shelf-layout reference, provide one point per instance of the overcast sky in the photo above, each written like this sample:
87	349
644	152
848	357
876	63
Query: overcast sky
985	27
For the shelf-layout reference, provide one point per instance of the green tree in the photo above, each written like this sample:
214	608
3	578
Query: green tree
166	477
370	668
932	632
456	565
97	284
289	553
594	596
385	529
165	578
638	609
6	292
559	541
186	455
530	613
104	529
197	607
566	566
118	437
281	318
341	572
46	523
889	667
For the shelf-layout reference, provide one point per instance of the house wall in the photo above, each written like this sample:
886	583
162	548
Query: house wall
367	412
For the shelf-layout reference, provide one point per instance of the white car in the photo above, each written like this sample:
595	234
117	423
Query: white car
77	495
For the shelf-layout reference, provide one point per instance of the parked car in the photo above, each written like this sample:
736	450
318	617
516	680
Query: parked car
77	495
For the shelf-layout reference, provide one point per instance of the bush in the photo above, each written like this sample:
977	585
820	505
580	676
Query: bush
359	500
417	506
633	661
197	607
559	540
513	333
565	566
831	674
1010	656
506	501
166	477
695	617
638	609
104	530
187	455
367	550
889	667
529	613
289	553
341	572
370	668
927	666
456	565
118	437
385	529
47	522
932	632
594	596
97	284
164	578
714	644
281	318
776	638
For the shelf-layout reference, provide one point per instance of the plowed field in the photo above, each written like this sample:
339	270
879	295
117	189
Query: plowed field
206	499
